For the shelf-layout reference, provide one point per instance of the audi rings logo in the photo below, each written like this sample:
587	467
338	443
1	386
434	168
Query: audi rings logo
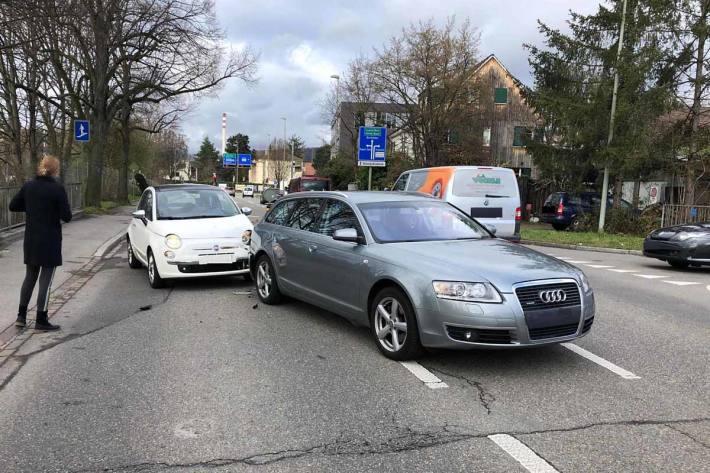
552	295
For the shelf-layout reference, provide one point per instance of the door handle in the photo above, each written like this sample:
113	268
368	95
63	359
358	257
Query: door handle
312	248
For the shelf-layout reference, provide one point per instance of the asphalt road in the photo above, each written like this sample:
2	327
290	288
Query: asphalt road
200	377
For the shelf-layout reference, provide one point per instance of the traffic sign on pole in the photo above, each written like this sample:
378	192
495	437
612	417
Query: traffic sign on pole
372	146
244	160
81	130
229	159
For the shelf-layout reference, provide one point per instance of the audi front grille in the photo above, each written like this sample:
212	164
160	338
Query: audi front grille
530	296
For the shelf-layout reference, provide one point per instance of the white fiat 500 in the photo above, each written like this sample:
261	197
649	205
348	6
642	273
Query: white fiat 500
188	230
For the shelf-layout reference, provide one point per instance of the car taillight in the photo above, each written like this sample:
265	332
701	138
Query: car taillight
560	209
518	215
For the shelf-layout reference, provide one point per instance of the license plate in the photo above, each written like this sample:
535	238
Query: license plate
216	259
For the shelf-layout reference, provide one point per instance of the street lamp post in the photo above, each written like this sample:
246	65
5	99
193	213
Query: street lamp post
284	144
337	110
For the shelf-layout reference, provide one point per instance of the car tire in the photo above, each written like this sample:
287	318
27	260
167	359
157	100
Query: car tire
385	329
679	264
154	279
133	262
267	288
559	226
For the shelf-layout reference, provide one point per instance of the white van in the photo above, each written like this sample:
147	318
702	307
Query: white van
488	194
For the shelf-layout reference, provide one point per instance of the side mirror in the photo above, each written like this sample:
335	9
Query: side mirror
139	214
347	234
491	228
246	211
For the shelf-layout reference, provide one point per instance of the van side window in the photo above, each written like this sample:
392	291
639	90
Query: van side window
401	183
416	180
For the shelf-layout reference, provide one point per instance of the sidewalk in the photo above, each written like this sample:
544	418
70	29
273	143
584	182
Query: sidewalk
81	239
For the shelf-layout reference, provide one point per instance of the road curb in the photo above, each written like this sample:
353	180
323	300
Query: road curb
583	248
109	244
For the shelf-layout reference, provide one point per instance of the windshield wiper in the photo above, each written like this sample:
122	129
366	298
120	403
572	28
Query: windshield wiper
493	196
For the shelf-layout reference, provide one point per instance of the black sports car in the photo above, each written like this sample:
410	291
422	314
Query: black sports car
681	246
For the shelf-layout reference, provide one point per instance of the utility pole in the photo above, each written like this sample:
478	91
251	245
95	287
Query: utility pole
605	183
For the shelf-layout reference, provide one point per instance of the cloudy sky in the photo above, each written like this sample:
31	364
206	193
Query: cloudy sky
302	43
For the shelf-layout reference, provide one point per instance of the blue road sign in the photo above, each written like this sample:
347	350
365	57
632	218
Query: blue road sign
229	159
372	146
244	160
694	212
81	130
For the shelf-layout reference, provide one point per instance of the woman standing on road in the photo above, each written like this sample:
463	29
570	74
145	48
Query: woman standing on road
45	203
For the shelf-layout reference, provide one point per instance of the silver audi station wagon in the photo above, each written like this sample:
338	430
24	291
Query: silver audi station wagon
417	271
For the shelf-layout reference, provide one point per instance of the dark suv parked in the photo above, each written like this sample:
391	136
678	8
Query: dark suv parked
563	209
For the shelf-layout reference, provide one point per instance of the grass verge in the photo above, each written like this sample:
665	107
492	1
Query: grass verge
106	207
599	240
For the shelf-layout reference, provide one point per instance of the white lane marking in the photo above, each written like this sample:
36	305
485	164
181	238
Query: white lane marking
681	283
708	287
424	375
649	276
623	270
599	266
600	361
530	460
577	261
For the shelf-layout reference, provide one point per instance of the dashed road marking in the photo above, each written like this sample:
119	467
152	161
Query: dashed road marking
530	460
650	276
424	375
708	288
599	266
682	283
600	361
623	270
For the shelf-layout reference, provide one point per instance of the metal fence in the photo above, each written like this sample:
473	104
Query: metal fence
9	219
678	214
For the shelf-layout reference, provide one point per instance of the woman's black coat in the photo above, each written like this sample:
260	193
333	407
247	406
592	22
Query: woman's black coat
44	202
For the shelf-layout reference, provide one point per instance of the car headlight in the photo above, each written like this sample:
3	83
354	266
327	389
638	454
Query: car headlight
467	291
585	282
246	237
682	236
173	241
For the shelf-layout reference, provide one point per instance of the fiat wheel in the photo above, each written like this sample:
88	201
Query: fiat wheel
156	282
394	325
132	260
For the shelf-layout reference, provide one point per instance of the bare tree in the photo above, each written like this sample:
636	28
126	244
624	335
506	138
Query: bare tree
126	52
430	71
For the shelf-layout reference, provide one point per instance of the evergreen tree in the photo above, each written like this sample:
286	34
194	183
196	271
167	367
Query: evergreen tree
574	75
207	160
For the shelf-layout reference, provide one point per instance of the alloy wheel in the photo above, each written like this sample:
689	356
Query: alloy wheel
390	324
263	279
151	269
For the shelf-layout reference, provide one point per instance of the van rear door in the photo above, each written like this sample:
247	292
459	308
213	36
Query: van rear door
490	195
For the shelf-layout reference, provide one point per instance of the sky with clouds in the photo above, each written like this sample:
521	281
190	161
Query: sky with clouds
302	43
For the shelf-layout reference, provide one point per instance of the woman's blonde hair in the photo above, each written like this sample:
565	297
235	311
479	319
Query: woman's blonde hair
48	166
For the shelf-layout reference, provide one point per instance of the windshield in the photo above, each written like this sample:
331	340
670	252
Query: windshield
314	185
392	222
180	204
